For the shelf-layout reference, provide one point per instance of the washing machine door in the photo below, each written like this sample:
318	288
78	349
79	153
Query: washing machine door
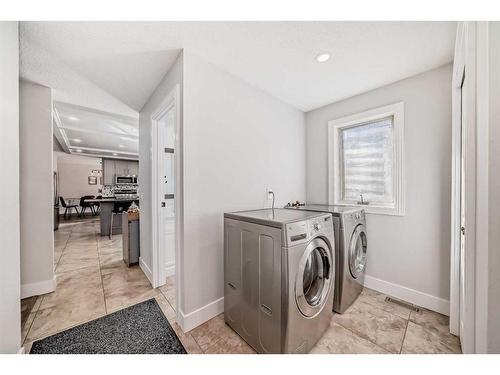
357	251
314	277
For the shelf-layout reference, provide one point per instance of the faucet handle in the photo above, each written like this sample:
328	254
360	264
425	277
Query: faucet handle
361	200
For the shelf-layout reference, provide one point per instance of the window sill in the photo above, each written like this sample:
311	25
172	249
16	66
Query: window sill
373	209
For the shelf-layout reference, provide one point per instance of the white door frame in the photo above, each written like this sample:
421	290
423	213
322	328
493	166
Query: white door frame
158	258
464	63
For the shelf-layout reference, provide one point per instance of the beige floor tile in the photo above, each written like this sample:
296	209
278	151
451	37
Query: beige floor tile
207	334
339	340
431	320
75	287
77	258
377	299
167	310
92	280
37	304
61	317
111	260
104	241
419	340
57	258
187	340
26	326
126	286
27	305
371	323
230	344
60	245
168	290
27	346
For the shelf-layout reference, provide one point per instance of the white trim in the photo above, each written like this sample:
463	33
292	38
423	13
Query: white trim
421	299
463	272
201	315
146	270
335	126
458	68
170	269
158	263
482	175
39	288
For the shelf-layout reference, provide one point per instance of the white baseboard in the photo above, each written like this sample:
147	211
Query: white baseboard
170	269
146	270
425	300
37	289
201	315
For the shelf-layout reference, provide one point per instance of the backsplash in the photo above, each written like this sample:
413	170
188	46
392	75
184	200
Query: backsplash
109	190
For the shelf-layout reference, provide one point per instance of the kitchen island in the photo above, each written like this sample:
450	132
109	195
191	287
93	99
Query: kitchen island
107	205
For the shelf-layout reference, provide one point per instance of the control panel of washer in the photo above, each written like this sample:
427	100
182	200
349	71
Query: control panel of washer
303	231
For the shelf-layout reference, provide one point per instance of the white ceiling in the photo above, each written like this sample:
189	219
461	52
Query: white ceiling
85	131
118	64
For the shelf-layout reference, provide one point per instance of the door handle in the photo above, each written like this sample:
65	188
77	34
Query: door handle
267	309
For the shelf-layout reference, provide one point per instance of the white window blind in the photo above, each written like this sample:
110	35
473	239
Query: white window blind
367	161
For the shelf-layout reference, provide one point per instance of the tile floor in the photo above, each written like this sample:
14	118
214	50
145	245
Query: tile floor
93	281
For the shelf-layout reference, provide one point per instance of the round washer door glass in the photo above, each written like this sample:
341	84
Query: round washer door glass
314	278
357	251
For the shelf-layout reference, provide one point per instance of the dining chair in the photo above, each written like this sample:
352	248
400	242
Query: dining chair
68	207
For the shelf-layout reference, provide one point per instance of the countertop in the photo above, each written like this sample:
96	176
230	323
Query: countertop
112	200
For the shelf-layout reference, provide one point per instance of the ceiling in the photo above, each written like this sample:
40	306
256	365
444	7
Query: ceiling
117	65
85	131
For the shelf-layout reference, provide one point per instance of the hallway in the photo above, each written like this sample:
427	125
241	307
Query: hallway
92	281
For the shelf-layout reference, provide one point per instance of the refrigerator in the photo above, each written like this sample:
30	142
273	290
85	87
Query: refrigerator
56	200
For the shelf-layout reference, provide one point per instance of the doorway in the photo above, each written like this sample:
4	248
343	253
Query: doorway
463	214
166	197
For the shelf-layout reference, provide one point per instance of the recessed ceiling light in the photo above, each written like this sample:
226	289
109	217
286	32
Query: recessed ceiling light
323	57
78	150
115	154
121	146
73	118
76	140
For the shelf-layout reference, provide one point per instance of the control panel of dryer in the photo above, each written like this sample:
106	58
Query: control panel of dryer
302	231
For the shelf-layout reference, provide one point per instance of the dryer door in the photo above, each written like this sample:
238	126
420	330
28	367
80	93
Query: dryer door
314	278
357	251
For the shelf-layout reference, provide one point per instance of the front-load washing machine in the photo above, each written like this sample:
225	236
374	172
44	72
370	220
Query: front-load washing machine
279	277
351	245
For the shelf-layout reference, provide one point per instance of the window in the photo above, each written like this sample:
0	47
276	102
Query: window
366	160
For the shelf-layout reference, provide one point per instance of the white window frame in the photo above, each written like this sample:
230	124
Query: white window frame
335	126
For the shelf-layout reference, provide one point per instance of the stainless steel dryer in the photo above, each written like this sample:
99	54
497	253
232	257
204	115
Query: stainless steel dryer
279	276
351	245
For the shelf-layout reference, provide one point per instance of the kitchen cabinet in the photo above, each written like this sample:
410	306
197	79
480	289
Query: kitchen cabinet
116	167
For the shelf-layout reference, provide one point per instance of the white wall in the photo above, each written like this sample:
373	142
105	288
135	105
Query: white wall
238	141
173	77
36	195
73	172
411	251
10	315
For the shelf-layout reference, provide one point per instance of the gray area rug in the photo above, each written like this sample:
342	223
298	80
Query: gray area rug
139	329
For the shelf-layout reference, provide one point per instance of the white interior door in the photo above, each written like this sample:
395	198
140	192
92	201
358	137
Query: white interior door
166	127
463	212
462	296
